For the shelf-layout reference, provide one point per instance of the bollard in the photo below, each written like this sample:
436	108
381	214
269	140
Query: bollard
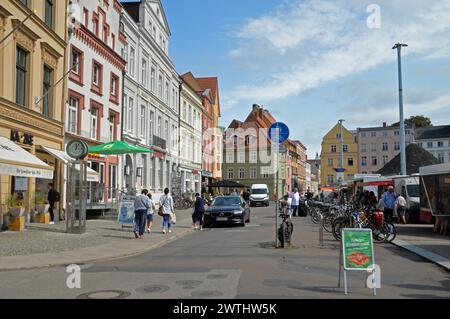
321	231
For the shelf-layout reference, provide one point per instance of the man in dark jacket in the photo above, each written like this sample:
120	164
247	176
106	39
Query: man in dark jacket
199	211
52	198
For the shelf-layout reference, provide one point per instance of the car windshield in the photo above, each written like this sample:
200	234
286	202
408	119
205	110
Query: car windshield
259	191
413	190
227	201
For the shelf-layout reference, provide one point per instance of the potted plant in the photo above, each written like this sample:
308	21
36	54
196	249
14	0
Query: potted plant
16	208
42	205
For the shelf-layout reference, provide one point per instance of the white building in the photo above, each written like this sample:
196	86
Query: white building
436	140
151	97
94	102
191	135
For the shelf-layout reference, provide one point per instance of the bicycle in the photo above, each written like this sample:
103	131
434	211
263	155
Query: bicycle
286	228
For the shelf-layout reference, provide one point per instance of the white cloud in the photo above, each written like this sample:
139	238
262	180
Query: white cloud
329	40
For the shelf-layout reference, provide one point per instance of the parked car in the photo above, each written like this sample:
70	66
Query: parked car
227	210
259	194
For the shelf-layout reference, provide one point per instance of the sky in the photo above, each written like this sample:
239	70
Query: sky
313	62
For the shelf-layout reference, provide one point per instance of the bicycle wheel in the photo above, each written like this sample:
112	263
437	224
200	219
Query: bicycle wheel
338	225
281	234
392	232
315	216
328	224
381	233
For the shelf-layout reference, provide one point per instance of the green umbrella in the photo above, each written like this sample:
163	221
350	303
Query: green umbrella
117	148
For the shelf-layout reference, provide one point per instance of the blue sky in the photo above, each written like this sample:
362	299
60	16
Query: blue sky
312	62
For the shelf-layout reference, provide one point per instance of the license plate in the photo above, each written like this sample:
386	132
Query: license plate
222	219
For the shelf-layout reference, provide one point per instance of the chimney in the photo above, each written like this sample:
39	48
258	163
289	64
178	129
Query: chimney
255	108
384	124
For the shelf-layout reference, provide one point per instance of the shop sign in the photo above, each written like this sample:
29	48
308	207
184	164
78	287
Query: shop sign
195	172
206	174
96	156
158	155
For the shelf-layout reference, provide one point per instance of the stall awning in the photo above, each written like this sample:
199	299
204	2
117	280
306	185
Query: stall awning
15	161
92	176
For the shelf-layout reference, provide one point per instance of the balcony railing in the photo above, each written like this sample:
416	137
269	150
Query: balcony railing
159	142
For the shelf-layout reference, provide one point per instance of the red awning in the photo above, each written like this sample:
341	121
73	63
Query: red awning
376	183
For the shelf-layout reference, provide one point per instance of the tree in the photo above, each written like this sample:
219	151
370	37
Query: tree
417	121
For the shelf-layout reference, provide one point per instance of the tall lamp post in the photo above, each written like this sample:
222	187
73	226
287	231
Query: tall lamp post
341	166
399	46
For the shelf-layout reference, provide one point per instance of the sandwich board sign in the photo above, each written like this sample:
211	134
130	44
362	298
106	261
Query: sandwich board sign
356	254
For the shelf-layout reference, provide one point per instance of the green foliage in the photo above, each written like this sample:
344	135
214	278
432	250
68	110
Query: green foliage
417	121
40	199
13	201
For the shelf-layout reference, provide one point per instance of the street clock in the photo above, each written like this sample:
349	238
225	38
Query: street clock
77	149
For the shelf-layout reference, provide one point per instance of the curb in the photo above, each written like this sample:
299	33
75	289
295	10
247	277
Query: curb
100	259
435	258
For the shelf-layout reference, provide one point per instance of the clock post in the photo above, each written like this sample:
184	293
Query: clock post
77	187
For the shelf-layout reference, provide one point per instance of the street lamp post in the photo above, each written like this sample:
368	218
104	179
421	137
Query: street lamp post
399	46
341	167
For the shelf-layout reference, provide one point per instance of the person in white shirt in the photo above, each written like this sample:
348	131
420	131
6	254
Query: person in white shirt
295	202
166	202
401	208
150	213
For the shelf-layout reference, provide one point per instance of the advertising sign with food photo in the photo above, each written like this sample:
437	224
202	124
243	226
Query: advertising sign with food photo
357	249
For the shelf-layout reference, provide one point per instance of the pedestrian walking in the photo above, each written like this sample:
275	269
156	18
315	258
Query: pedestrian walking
166	204
389	203
52	197
141	207
199	211
295	201
401	208
150	213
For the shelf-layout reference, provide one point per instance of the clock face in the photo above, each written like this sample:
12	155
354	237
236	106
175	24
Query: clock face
77	149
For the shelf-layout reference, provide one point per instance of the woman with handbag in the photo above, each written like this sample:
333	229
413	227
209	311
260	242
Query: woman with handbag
166	210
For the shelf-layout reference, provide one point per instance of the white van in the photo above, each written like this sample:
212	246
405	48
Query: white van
259	194
409	188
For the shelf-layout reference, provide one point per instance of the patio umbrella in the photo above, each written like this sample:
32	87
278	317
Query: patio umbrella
117	148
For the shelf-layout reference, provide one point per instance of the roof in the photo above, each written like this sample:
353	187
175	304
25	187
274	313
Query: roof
211	83
416	157
192	82
434	132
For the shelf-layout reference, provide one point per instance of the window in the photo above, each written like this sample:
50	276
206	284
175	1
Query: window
407	132
166	93
397	146
132	59
241	157
385	159
363	134
114	89
363	148
345	148
195	118
161	176
253	172
72	122
350	161
154	33
159	126
230	157
189	120
235	139
143	126
429	144
396	133
47	94
130	115
441	157
338	136
265	172
385	147
97	78
164	46
440	144
241	173
94	123
86	17
364	161
21	77
160	86
153	79
374	161
49	13
144	72
112	127
333	148
230	173
373	147
95	22
253	157
152	121
330	179
330	162
76	59
184	111
166	131
105	32
113	37
373	134
420	144
385	133
174	98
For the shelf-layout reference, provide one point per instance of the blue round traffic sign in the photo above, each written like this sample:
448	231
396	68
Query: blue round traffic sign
278	132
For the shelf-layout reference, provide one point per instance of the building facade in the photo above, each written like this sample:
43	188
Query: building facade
331	156
436	140
379	145
191	135
308	177
151	98
315	174
32	90
94	102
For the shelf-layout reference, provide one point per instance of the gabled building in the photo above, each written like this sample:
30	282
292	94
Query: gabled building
436	140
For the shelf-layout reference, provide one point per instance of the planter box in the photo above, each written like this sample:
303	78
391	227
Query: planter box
16	211
17	223
42	218
42	208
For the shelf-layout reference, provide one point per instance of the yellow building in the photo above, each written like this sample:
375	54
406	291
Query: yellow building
330	159
33	35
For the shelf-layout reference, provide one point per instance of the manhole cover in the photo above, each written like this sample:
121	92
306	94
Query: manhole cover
153	289
189	283
206	294
105	294
218	276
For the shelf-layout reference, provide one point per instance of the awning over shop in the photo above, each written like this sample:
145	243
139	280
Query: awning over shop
15	161
92	176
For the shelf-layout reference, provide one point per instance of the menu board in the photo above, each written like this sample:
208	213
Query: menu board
357	249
